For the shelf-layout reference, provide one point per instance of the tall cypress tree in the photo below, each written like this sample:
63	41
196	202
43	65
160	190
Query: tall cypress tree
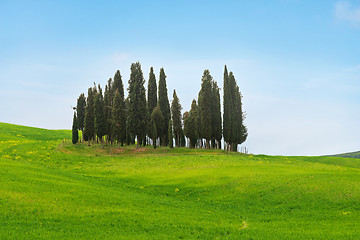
100	120
75	133
119	119
130	139
191	124
152	91
89	130
176	118
227	110
238	131
216	115
107	112
80	109
205	107
137	103
164	106
234	121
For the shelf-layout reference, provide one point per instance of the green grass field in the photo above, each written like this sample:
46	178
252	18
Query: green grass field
51	189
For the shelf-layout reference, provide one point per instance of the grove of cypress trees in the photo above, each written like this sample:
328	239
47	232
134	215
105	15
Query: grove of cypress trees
137	103
89	130
75	133
100	120
80	109
164	106
205	107
176	118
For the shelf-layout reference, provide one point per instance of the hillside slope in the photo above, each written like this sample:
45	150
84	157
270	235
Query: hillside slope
51	189
348	155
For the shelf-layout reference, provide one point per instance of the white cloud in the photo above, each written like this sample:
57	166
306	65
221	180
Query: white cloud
344	11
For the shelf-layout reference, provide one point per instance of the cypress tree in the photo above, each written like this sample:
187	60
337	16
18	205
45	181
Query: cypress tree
205	107
80	109
137	103
118	84
216	115
233	120
75	133
130	139
158	119
171	136
107	110
164	106
242	130
100	120
176	118
152	91
238	132
191	124
89	123
119	119
227	110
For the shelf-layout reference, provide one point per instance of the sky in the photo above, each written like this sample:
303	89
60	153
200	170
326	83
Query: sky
296	62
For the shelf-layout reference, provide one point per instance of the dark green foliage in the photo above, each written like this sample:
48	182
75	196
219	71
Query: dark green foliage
238	132
108	107
158	119
241	128
152	91
130	139
154	133
226	108
100	120
176	118
75	133
118	84
191	124
171	136
216	115
89	123
205	96
164	106
182	139
119	119
80	110
137	111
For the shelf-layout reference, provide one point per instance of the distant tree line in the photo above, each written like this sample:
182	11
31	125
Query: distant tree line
111	118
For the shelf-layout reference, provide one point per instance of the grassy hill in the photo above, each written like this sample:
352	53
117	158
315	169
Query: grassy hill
51	189
348	155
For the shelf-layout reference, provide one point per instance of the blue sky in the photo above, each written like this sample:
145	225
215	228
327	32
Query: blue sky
296	62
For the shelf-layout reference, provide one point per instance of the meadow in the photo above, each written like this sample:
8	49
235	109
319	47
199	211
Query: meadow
52	189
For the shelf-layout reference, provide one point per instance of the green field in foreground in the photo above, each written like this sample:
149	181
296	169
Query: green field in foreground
51	189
